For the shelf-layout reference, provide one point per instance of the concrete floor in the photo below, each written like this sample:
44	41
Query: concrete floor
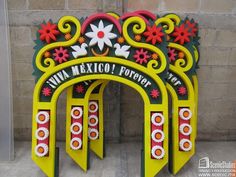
122	160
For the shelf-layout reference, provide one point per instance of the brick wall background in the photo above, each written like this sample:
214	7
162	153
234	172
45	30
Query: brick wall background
123	105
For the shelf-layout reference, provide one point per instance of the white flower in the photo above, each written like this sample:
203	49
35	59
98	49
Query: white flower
101	35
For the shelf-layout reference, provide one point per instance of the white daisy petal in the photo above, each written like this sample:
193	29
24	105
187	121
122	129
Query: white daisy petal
108	28
100	39
90	34
94	28
111	35
108	42
93	41
100	25
100	44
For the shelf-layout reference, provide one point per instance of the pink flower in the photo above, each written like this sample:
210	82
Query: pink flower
141	56
155	93
46	91
171	54
61	55
182	90
79	89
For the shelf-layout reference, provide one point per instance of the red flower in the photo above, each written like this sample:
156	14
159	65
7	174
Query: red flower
181	34
154	34
79	89
141	56
171	54
61	55
155	93
48	31
46	91
192	28
182	90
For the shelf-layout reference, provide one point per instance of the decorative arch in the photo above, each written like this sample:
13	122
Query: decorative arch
183	100
182	84
86	54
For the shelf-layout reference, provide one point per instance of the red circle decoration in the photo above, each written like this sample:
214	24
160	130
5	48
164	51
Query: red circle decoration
75	143
100	34
158	136
185	144
157	119
42	117
41	149
42	133
91	119
93	106
93	133
185	113
76	112
158	152
185	129
76	128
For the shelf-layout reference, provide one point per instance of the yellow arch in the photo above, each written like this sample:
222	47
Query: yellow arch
97	146
47	164
80	157
180	158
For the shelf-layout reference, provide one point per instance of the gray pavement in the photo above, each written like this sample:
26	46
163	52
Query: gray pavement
122	160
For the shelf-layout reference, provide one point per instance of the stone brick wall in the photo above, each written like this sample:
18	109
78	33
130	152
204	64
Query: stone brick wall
123	112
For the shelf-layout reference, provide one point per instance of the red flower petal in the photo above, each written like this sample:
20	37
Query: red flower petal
153	34
182	34
48	32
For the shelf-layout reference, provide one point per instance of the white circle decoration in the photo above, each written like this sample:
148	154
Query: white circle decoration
93	103
93	117
91	132
76	124
78	110
43	148
182	112
154	138
44	115
153	119
159	148
182	144
78	144
40	131
182	129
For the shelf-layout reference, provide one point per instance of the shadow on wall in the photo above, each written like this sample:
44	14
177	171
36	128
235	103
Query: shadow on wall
123	113
132	114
